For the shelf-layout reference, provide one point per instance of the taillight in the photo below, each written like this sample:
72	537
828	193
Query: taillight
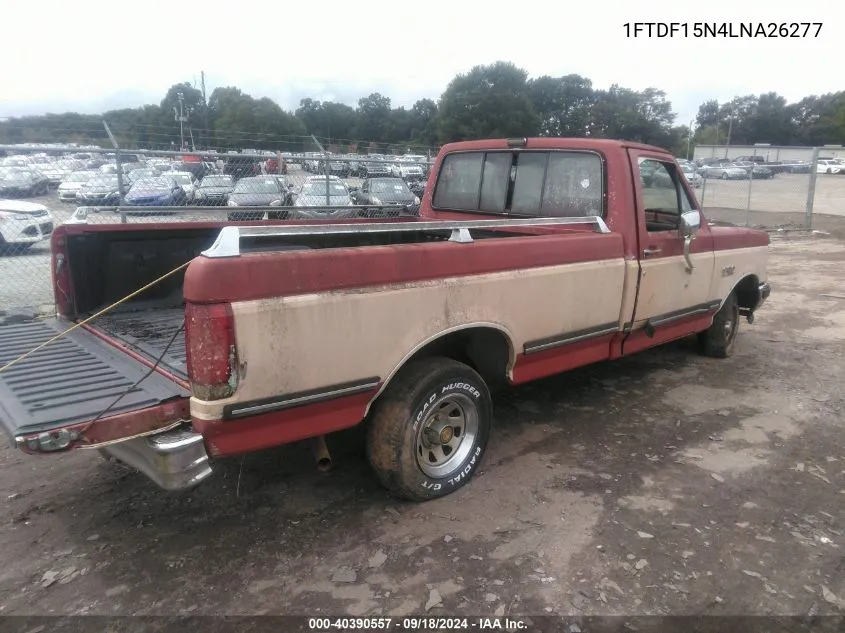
210	349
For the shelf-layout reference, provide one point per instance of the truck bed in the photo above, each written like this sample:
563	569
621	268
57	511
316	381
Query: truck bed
148	333
71	380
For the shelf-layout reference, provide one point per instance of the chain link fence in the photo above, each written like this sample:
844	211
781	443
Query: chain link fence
767	195
42	190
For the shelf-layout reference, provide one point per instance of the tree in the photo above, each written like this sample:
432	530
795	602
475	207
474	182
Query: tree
488	101
424	122
373	115
563	104
622	113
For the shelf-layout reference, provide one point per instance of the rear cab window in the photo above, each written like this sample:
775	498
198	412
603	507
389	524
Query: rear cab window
532	183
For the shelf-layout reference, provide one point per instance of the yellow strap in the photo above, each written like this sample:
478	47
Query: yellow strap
93	316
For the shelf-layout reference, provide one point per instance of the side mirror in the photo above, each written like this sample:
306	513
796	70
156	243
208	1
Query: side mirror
689	224
687	228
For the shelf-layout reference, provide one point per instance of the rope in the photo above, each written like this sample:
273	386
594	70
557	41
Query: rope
93	316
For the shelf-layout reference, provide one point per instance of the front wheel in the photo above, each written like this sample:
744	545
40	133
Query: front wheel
718	340
429	429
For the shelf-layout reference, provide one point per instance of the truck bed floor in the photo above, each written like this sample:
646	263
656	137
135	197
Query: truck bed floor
148	332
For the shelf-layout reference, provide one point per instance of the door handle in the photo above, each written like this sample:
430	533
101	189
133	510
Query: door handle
652	250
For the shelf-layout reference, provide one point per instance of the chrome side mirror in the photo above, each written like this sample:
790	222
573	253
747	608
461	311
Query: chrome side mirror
688	226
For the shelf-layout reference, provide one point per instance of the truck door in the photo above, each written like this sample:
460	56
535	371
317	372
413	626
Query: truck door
673	299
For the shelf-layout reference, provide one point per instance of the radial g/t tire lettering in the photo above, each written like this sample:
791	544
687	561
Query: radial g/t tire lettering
429	429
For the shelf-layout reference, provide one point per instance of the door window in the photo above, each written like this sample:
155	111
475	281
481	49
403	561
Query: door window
664	197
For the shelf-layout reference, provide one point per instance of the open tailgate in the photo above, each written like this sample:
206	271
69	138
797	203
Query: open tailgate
73	380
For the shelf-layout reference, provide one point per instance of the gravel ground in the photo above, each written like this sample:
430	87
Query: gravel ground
665	483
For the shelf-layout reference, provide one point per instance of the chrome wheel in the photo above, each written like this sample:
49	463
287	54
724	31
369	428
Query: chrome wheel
447	435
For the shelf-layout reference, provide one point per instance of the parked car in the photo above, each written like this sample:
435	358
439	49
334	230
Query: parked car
161	191
757	170
255	191
385	191
339	168
829	167
22	181
724	171
72	183
101	190
407	170
791	166
313	193
759	160
375	169
408	327
23	224
214	190
139	173
56	172
187	182
694	178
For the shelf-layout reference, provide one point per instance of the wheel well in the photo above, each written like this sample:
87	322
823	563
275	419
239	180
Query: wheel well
747	292
485	349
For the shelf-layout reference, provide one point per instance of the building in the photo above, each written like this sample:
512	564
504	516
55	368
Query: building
769	152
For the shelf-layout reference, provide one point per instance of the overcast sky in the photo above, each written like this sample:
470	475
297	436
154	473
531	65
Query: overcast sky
92	56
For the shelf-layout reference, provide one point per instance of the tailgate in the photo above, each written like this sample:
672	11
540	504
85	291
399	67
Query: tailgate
71	380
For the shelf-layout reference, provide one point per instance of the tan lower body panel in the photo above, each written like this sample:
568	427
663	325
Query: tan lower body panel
295	344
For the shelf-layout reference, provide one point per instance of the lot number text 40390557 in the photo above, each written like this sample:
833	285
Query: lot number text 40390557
722	29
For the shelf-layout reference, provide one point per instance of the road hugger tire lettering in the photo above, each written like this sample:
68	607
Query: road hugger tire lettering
429	429
718	340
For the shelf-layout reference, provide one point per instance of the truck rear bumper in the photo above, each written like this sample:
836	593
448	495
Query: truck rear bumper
173	460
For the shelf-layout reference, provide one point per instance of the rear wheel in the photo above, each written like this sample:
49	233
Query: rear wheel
718	340
429	429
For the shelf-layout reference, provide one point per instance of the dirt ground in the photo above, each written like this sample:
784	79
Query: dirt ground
665	483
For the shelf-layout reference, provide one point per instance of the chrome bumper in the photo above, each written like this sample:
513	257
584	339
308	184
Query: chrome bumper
174	460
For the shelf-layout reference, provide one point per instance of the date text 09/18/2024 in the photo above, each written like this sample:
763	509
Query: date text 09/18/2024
423	623
723	29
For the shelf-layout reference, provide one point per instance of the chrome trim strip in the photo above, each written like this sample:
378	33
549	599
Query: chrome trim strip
532	347
671	317
227	243
296	400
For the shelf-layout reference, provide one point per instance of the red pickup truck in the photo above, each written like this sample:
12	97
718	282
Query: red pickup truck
529	257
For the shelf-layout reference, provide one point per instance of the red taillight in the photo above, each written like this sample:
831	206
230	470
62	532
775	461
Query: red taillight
210	349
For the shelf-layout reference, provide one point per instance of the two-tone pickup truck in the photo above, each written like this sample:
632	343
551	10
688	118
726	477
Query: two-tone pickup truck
529	257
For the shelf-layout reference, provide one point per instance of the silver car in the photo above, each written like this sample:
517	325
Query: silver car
313	193
727	171
692	176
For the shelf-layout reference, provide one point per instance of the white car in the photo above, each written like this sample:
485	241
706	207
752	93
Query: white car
23	224
186	180
72	183
829	167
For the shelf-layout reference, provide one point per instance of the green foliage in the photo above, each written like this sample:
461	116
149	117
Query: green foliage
488	101
496	100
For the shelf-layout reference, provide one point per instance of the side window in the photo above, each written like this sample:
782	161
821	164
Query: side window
495	181
459	182
528	187
573	185
664	197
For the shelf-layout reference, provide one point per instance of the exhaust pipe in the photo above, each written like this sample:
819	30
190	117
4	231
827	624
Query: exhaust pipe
322	455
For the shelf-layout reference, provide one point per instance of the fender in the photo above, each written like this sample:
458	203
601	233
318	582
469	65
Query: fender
435	337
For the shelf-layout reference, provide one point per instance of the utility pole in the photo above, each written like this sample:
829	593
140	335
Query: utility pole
180	116
689	141
204	106
717	124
